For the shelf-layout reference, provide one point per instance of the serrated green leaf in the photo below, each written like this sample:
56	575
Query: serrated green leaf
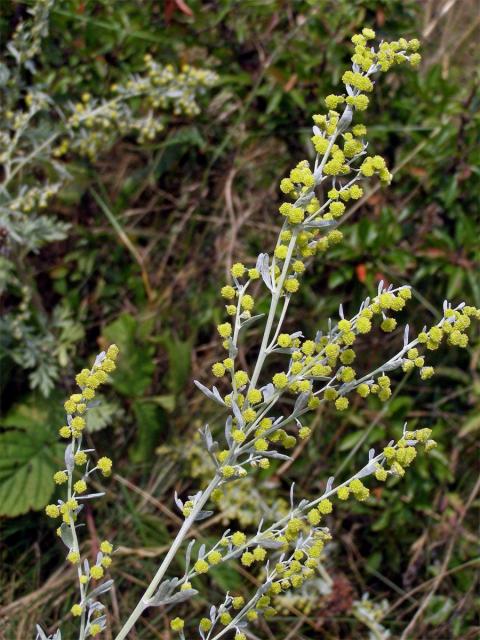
29	455
135	368
102	416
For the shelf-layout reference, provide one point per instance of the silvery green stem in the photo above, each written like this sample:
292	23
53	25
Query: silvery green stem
241	614
27	159
257	539
280	323
271	315
142	604
76	547
279	284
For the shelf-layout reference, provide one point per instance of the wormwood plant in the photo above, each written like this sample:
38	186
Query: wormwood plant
41	137
264	416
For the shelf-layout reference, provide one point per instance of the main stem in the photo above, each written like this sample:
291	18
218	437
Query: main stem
271	315
142	604
137	612
76	547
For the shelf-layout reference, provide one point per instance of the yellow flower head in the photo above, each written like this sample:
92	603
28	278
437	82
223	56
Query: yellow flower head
105	465
96	572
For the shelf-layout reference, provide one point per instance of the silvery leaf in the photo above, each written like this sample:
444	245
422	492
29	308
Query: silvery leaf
389	366
304	199
14	51
66	535
99	359
101	621
202	515
301	402
268	391
4	74
188	555
207	392
366	471
217	395
181	596
320	224
103	588
262	267
207	436
249	321
345	120
276	455
296	334
269	544
201	551
228	430
41	633
238	414
163	591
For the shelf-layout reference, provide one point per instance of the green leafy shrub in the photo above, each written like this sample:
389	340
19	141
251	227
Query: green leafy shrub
44	135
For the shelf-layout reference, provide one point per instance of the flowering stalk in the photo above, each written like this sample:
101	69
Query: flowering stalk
88	609
318	370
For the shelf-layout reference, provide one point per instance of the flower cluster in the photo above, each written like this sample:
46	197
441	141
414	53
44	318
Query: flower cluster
95	123
79	467
322	369
243	502
293	546
255	424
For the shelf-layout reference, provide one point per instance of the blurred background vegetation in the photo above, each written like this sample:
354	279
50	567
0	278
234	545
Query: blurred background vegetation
133	246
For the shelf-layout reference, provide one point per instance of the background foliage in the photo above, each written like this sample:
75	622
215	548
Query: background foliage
153	226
